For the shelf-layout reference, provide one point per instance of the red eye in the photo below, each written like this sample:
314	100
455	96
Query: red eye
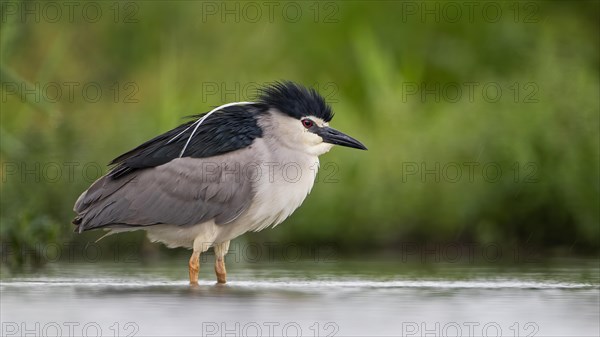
307	123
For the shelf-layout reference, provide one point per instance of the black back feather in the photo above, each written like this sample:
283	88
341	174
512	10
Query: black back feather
226	130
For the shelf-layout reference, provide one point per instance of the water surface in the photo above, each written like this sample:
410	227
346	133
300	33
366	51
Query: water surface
304	298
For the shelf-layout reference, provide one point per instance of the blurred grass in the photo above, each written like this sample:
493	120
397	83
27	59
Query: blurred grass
365	62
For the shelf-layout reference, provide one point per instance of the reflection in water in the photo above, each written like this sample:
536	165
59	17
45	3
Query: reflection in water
306	299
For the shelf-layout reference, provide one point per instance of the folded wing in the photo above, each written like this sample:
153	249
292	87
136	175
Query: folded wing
184	191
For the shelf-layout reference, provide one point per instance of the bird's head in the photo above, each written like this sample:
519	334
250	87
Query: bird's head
301	117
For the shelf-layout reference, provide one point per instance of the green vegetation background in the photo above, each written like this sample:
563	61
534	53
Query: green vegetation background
370	60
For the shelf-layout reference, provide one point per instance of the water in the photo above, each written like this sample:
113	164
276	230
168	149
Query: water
311	299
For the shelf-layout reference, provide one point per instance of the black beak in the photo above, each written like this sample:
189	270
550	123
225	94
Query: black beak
333	136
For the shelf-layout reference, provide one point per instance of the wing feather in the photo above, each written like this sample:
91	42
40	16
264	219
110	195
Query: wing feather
184	192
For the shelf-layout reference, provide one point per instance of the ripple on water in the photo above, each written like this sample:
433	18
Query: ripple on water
295	284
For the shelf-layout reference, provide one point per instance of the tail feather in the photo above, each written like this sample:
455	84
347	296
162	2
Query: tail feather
94	201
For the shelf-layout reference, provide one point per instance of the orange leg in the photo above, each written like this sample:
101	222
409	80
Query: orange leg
220	270
220	251
194	267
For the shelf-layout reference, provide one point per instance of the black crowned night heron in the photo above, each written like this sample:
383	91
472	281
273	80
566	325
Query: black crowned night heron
241	167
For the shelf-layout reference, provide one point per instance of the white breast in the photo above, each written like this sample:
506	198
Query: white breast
279	194
286	177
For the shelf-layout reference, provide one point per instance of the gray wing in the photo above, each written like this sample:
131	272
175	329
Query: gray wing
184	191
